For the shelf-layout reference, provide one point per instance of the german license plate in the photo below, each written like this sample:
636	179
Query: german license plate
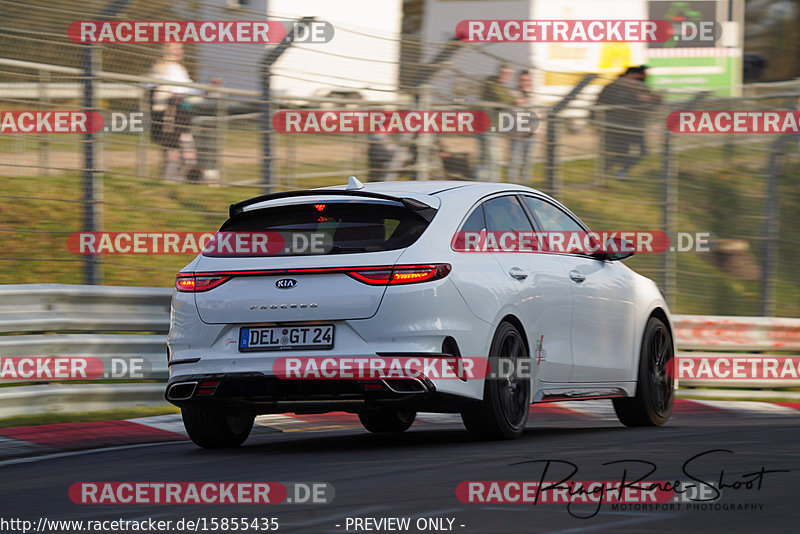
254	338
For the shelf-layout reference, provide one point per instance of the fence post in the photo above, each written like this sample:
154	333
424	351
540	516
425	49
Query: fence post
267	61
266	129
670	216
600	163
90	60
219	138
423	141
90	207
670	201
143	139
771	209
44	139
551	153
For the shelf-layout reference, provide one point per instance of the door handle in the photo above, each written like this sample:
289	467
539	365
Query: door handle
576	276
517	273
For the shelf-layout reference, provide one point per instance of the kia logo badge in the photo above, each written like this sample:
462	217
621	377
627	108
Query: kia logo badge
286	283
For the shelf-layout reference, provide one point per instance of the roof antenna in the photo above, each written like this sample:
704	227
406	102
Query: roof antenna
354	183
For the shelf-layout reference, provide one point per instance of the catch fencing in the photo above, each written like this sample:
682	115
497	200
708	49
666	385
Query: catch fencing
743	190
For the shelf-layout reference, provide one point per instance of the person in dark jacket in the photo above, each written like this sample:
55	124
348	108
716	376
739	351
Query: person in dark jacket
623	125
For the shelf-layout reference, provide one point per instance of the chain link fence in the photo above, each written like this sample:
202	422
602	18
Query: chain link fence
741	188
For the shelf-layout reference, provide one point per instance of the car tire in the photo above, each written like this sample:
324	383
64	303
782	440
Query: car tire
215	429
503	413
652	404
387	421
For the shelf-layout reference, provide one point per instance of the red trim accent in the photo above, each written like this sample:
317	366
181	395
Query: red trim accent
438	270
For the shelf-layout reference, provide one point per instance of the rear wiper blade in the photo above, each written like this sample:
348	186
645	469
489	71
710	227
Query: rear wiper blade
338	248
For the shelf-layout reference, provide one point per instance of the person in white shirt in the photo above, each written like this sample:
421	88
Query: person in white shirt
171	117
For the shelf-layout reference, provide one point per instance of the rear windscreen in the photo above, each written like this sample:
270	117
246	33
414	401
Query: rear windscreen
331	228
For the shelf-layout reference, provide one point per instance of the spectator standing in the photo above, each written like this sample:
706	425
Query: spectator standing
521	149
385	156
171	117
623	126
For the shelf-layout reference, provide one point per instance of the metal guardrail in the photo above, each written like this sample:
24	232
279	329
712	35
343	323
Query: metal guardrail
703	336
67	91
116	352
78	398
119	326
127	323
49	320
63	307
704	332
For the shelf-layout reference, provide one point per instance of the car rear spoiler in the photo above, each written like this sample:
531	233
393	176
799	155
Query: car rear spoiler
424	210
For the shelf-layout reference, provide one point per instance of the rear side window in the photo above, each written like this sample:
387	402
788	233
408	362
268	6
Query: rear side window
505	214
344	227
550	217
475	222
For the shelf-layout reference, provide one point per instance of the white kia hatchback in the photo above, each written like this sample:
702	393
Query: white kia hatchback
388	282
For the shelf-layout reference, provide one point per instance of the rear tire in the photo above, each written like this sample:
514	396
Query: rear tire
652	404
215	429
387	421
503	413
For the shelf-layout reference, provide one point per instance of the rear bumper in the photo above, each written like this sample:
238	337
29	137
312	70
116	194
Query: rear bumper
264	394
410	320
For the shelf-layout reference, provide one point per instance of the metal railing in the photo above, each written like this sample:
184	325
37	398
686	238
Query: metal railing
122	327
129	323
709	337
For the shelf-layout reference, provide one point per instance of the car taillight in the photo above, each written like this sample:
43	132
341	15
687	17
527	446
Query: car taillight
190	283
405	274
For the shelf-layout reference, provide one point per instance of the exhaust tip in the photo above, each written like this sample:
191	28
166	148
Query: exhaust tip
181	391
405	385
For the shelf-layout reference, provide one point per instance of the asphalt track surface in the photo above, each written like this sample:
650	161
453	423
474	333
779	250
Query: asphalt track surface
415	474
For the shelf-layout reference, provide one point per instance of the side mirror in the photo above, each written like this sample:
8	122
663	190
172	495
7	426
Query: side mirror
615	249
